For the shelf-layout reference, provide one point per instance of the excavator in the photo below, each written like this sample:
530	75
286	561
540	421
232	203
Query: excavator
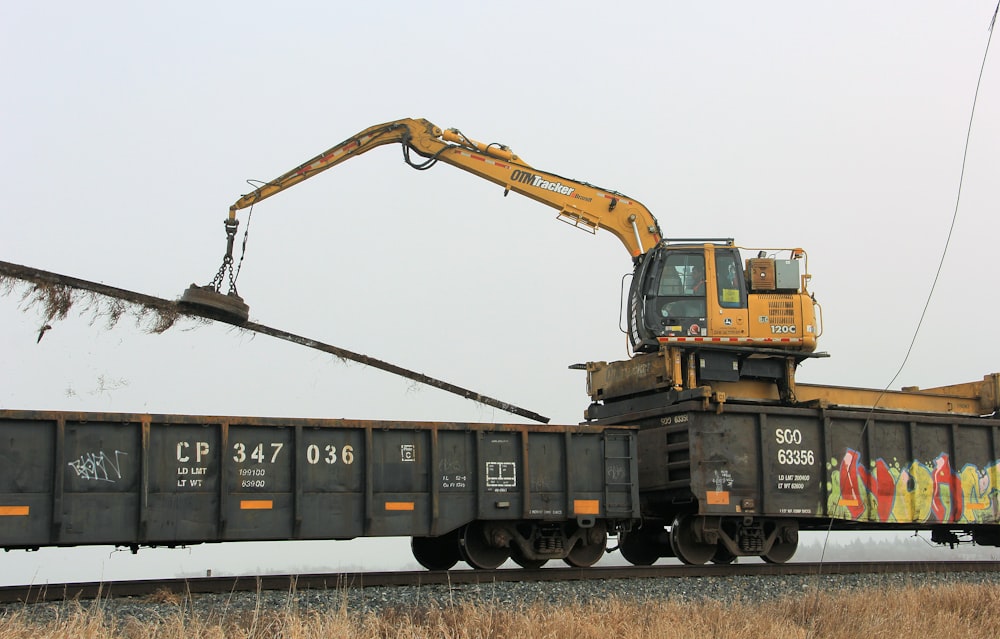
715	332
706	319
704	310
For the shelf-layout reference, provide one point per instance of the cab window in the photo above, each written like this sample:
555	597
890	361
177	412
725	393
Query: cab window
729	280
681	287
682	275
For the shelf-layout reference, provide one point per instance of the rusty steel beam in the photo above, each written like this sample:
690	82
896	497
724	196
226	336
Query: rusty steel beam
170	308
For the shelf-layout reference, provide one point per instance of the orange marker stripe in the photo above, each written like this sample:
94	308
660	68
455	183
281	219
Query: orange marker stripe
256	504
14	511
399	505
586	507
717	497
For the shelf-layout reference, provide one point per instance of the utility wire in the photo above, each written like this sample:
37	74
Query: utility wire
944	253
954	216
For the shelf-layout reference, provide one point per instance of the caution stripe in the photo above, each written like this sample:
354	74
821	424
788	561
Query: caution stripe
336	153
485	159
621	200
731	340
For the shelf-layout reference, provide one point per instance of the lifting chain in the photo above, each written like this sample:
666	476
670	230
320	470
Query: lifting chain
227	260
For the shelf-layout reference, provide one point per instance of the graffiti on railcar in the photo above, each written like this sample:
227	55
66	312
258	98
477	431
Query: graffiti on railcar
913	491
98	466
616	472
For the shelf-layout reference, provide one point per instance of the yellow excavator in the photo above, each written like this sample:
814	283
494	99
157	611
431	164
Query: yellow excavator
713	310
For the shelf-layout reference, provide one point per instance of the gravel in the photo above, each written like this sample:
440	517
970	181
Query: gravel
504	594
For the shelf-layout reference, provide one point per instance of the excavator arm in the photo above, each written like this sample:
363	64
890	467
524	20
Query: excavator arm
580	204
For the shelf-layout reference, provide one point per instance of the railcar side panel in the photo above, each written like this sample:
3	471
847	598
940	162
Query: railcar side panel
500	493
100	482
184	483
867	467
26	480
123	479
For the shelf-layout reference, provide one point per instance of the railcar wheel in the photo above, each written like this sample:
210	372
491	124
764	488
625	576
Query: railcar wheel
585	555
436	553
524	562
780	552
477	550
639	547
685	546
723	555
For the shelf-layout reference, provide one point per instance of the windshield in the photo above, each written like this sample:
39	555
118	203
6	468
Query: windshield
681	287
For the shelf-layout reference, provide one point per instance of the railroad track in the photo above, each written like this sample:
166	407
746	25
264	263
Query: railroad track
356	580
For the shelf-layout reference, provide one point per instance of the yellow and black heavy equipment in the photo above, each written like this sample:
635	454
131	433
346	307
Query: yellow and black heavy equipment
717	311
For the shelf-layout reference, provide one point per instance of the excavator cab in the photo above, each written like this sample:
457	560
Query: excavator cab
700	314
703	292
678	305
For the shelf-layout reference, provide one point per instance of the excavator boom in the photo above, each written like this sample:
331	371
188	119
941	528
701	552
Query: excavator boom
580	204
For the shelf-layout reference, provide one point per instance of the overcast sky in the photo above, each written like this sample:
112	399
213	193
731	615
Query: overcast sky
129	128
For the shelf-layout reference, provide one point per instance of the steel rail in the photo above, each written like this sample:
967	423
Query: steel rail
356	580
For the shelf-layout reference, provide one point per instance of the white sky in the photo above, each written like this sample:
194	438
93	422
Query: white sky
129	128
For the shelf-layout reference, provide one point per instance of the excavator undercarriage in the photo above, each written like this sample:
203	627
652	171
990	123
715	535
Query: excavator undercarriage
718	375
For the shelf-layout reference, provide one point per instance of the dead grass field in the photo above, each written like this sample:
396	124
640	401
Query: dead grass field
954	610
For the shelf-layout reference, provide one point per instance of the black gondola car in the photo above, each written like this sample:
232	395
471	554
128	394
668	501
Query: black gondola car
477	492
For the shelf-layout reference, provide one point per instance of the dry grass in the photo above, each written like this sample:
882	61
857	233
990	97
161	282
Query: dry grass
958	611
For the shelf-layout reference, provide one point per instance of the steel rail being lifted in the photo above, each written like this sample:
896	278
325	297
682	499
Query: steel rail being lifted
171	308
